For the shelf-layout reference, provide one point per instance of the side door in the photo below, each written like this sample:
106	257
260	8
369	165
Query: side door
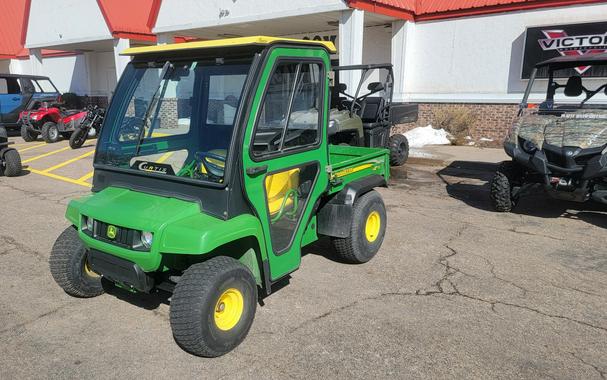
285	150
10	100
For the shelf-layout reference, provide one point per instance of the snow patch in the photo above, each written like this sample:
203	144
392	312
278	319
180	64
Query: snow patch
422	136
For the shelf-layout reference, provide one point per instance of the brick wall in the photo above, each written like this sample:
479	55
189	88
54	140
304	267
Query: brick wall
492	121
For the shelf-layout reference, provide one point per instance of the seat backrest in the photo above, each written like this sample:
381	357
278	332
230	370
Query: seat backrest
370	109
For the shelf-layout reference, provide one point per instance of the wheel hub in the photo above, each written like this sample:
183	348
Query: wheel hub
372	226
229	309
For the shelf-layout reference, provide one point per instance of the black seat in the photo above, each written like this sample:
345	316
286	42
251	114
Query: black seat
370	110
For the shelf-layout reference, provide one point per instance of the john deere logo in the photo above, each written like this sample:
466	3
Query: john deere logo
111	231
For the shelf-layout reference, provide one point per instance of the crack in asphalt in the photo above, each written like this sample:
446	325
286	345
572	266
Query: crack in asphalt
43	315
58	199
7	241
439	289
601	373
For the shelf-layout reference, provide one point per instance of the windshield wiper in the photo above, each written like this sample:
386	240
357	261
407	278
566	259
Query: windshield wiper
153	101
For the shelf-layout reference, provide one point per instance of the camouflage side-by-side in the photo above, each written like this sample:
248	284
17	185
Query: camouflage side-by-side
580	128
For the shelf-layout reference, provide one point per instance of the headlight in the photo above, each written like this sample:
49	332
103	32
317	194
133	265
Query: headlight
147	238
88	223
34	117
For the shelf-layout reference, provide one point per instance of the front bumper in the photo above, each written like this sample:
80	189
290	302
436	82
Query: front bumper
120	271
593	163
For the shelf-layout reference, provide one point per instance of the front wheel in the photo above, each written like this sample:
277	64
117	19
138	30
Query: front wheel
70	268
399	149
366	231
501	186
213	306
12	163
28	135
78	138
50	132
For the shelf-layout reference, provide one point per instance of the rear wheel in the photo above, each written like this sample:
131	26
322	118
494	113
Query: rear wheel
213	306
28	135
366	231
70	269
399	150
78	138
501	186
50	132
12	163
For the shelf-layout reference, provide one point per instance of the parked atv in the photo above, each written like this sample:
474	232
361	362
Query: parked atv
366	117
10	161
52	121
560	144
89	128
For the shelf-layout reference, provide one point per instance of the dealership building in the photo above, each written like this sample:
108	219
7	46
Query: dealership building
473	54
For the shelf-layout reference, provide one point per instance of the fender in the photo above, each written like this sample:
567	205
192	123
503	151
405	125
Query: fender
334	218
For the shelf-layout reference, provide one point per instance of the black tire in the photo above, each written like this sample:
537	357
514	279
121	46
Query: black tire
502	183
50	132
69	267
194	302
27	135
360	246
399	149
78	138
12	163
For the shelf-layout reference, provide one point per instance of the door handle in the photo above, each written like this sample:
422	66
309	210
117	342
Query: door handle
16	98
257	170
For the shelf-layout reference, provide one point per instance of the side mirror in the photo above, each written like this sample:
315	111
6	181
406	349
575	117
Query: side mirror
573	87
375	86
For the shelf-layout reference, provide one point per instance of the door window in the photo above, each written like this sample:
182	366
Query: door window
290	115
46	85
287	193
3	86
9	86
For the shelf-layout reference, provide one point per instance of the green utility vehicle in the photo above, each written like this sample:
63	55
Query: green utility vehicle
212	171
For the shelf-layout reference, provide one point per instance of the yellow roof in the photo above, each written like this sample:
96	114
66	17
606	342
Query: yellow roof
227	42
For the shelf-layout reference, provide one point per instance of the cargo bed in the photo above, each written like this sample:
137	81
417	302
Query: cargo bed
348	163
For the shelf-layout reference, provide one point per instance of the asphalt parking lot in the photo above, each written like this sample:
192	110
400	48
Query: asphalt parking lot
457	290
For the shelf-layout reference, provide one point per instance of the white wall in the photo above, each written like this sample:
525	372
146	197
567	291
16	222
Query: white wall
59	22
177	15
103	74
478	59
71	74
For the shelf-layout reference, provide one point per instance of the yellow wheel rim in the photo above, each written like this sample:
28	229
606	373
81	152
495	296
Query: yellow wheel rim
372	226
88	271
228	309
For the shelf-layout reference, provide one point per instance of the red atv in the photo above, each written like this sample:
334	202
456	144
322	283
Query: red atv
50	121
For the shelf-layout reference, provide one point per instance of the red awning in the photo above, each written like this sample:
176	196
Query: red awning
437	9
133	19
13	21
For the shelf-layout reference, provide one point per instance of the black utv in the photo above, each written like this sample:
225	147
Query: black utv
559	144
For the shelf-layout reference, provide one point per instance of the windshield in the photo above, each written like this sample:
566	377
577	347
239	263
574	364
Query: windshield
174	119
573	112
